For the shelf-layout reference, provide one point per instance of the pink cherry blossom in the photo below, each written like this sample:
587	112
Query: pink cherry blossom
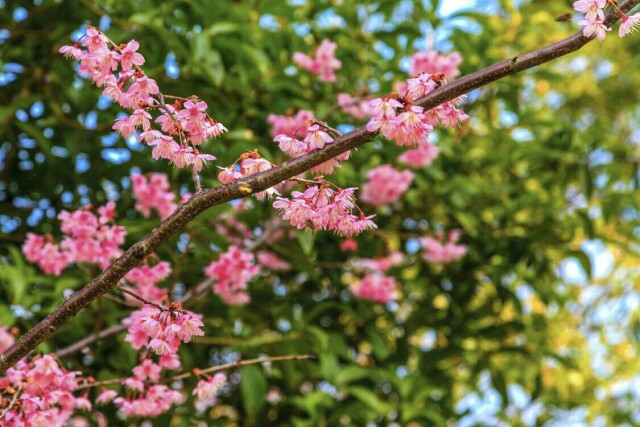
210	387
594	27
385	185
432	62
232	273
349	245
153	193
594	9
437	251
419	157
630	24
357	108
376	287
46	394
130	57
291	126
94	40
106	396
324	63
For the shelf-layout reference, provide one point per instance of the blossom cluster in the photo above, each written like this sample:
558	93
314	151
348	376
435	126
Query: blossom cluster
433	62
162	331
41	393
88	238
439	251
153	192
385	185
290	124
397	119
419	157
594	19
209	387
376	287
320	207
248	164
117	70
356	107
324	63
232	273
317	135
146	278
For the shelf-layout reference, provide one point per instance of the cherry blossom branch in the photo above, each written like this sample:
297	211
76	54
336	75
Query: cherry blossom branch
244	187
196	372
143	300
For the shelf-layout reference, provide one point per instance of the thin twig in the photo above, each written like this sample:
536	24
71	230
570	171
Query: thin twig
218	368
86	342
13	402
146	301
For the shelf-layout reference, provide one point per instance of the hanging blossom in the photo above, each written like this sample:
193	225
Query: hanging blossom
145	280
385	185
324	63
153	192
439	251
594	19
210	387
397	119
433	62
290	125
317	135
232	273
162	331
321	208
420	157
248	164
180	127
88	238
41	392
7	339
376	287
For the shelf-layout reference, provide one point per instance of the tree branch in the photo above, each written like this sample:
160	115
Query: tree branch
200	202
209	370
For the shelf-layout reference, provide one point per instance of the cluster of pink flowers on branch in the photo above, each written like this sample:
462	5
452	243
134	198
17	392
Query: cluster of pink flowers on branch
324	63
145	280
162	331
290	124
320	207
232	273
594	19
397	119
88	238
117	69
248	164
207	389
437	250
39	393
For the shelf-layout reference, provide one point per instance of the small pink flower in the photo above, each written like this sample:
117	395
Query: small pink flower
630	24
130	57
385	185
594	27
419	157
432	62
210	387
94	40
106	396
316	137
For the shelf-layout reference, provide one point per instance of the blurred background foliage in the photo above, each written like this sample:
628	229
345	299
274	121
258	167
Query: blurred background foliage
537	325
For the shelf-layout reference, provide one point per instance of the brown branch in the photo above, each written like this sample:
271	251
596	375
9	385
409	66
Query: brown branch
218	368
200	202
86	342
